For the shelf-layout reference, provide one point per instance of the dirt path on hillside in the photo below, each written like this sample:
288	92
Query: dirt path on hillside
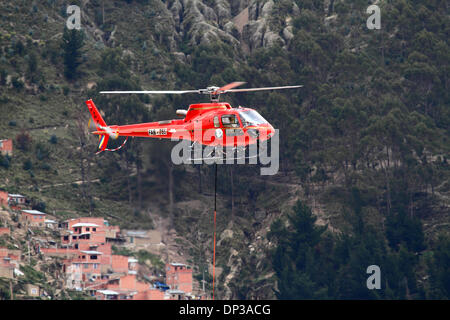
78	182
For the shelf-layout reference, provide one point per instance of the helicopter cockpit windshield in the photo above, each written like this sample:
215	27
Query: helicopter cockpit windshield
251	118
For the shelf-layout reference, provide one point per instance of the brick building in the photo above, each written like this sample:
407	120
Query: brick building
6	147
90	266
32	218
4	230
179	277
15	199
9	261
149	240
3	198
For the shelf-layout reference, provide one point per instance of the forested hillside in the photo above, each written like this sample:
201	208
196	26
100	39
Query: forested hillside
364	145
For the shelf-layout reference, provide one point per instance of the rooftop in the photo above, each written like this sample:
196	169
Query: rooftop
33	212
108	292
175	291
81	224
92	252
175	264
136	233
15	195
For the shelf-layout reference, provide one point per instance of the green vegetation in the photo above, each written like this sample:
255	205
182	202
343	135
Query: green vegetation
122	251
311	265
72	42
144	256
365	142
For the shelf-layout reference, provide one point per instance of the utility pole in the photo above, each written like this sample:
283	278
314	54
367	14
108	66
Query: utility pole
11	290
203	281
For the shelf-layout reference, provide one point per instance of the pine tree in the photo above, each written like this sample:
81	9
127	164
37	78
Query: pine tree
72	42
295	259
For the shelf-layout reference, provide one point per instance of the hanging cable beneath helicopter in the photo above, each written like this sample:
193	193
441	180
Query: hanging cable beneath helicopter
215	207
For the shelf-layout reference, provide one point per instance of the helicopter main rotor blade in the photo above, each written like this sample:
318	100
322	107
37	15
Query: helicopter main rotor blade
213	91
155	92
228	87
261	89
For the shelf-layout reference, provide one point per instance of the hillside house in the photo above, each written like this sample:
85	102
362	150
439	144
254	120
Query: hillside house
179	277
94	268
106	295
6	147
9	262
129	287
149	240
15	199
103	231
174	294
13	255
88	236
32	218
59	252
150	294
32	290
51	224
120	263
3	198
112	234
4	231
85	267
85	232
6	268
132	265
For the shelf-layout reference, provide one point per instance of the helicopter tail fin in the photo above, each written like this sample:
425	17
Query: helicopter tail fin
96	116
100	125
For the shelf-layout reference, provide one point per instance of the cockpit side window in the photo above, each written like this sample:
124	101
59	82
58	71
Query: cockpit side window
230	121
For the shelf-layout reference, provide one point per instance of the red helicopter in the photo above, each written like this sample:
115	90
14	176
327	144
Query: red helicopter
227	126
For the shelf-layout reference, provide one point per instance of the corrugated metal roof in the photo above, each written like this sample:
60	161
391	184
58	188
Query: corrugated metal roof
136	233
33	212
175	264
108	292
81	224
175	291
92	252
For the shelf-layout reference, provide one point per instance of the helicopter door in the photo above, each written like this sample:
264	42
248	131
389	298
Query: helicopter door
231	124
